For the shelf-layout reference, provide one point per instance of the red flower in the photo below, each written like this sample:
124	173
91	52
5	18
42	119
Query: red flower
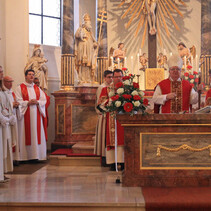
192	85
136	97
119	84
135	85
191	76
127	96
189	67
195	73
124	69
145	101
196	80
125	78
116	97
186	74
128	107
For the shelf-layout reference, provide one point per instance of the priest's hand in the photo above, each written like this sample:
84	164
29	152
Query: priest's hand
33	102
200	87
16	104
170	96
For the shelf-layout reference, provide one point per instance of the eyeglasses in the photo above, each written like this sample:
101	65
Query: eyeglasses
109	76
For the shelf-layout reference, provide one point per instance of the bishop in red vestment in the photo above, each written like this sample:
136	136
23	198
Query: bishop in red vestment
174	94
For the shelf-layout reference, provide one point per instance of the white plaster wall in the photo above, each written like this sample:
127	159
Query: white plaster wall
190	32
16	38
2	33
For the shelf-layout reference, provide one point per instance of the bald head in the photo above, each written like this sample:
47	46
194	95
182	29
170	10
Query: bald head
7	80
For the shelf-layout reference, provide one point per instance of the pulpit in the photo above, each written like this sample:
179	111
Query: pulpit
167	150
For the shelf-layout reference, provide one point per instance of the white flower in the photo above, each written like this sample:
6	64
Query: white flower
186	78
141	93
134	93
118	103
126	82
136	103
120	91
192	81
111	94
197	76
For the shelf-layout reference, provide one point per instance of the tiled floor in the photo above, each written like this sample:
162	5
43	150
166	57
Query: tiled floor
85	186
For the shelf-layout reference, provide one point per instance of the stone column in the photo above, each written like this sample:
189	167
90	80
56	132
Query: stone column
67	60
205	27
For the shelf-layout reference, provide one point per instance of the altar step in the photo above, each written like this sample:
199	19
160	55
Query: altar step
83	148
83	160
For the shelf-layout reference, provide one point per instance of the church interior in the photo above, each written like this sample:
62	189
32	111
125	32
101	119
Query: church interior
166	157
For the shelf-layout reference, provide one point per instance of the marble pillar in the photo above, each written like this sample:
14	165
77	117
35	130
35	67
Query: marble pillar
205	27
68	27
103	49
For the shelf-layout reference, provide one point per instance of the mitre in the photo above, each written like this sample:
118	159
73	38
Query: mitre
175	60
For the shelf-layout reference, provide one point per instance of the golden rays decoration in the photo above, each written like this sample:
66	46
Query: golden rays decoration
144	12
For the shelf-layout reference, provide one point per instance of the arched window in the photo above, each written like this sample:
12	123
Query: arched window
45	22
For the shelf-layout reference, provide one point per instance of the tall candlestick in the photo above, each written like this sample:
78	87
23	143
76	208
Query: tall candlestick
125	62
132	64
196	63
138	63
112	63
164	52
140	51
118	63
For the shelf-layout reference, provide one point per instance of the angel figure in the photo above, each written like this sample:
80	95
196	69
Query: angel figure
162	61
144	61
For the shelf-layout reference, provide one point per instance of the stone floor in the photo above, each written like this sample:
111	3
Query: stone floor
61	187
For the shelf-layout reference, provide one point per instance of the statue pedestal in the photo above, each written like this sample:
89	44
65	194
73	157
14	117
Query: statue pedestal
75	118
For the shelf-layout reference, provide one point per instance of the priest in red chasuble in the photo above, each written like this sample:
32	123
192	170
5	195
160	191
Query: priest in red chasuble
114	131
30	126
174	94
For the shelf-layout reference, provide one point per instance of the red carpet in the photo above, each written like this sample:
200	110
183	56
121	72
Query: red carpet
61	152
177	199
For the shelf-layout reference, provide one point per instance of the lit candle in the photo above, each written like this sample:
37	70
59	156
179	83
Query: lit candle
164	52
196	63
125	62
140	51
170	53
118	63
112	63
138	63
185	62
132	64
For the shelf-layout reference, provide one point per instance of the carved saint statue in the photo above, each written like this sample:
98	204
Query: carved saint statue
37	63
85	52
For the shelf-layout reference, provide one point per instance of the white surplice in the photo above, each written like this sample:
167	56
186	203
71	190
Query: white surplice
35	150
14	128
1	155
8	141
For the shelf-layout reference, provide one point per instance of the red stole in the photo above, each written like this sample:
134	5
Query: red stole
110	125
45	119
182	100
27	121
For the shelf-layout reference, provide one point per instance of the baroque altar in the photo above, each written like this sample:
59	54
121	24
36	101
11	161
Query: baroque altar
167	150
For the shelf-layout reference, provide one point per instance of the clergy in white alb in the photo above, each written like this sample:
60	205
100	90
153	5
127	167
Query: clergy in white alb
32	101
7	83
101	123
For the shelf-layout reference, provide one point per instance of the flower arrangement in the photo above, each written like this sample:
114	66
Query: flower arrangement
127	98
191	76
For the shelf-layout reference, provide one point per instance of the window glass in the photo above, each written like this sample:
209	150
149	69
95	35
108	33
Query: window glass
51	8
35	29
35	6
51	31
